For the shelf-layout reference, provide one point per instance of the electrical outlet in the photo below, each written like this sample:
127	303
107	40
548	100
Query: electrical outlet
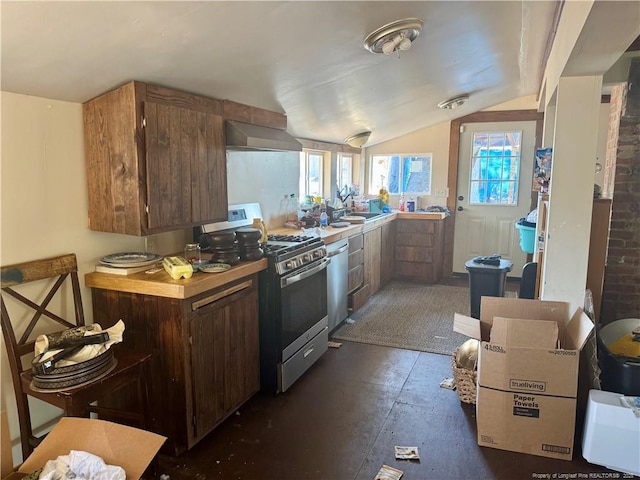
444	193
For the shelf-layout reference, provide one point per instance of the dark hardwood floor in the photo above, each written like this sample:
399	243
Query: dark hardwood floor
341	420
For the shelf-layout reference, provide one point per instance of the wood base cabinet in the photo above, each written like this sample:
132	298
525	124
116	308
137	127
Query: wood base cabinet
205	361
419	250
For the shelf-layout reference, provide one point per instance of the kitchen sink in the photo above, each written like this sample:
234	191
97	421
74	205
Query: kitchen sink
367	215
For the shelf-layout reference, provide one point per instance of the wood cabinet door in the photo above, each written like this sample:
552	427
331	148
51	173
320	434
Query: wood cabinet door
242	362
185	167
114	162
207	370
387	252
372	247
225	363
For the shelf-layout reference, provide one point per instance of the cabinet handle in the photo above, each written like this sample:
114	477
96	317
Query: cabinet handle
217	296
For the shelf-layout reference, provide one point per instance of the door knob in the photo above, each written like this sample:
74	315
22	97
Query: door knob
460	209
460	197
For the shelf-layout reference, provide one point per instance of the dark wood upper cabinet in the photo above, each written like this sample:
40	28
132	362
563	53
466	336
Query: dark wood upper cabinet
155	160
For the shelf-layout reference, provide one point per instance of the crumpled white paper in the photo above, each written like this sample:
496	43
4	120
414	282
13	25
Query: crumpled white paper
81	465
85	353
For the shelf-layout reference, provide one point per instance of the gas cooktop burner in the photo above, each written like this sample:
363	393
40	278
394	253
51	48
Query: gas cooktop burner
289	238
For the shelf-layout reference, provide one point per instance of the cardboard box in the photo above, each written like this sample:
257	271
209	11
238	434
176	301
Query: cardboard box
130	448
526	393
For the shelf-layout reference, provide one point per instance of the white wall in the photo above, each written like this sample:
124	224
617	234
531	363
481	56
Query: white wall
263	177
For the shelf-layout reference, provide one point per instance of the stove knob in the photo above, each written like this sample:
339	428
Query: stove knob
290	264
307	257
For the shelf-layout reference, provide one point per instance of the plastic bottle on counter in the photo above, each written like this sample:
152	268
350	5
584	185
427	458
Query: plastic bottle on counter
324	221
292	209
259	224
401	203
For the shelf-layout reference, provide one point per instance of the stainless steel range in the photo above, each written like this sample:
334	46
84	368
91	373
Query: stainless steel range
293	300
293	309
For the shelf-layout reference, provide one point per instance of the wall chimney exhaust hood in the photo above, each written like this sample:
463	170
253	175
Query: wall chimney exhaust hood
244	136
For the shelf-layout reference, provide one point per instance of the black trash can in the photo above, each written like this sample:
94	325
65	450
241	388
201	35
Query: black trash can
486	280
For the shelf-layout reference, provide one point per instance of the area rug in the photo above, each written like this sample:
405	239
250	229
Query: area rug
410	316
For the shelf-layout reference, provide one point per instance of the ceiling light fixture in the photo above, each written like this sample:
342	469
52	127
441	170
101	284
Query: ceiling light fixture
394	36
453	102
358	140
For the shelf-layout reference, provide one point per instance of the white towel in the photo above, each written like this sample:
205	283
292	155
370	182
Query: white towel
81	465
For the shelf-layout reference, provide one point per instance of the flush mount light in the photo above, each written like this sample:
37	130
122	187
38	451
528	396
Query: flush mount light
358	140
453	102
394	36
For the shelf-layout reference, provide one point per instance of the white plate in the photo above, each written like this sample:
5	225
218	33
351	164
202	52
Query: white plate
215	267
131	259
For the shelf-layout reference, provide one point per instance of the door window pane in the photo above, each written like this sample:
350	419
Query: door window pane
495	168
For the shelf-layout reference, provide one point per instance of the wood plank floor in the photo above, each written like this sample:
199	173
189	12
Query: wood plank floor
341	420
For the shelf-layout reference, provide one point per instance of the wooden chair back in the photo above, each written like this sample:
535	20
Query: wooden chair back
62	271
47	308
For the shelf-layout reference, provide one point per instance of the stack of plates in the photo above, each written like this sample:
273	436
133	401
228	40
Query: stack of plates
62	378
130	259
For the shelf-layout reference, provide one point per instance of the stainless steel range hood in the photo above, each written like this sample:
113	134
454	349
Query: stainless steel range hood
243	136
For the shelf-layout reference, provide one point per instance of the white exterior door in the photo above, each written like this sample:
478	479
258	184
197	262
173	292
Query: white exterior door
495	171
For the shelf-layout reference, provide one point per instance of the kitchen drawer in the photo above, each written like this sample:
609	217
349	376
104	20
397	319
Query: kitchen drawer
356	243
303	359
416	226
416	239
355	278
358	298
356	258
414	254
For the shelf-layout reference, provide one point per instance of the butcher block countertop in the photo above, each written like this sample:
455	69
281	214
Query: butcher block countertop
160	284
332	234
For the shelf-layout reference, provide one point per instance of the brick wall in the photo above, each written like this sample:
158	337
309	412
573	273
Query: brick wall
621	294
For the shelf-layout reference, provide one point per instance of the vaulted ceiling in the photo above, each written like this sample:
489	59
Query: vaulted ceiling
305	59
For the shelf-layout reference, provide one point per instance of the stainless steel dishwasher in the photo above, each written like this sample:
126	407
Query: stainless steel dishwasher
337	271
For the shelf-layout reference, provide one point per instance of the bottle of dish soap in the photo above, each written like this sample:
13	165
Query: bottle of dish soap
259	224
401	203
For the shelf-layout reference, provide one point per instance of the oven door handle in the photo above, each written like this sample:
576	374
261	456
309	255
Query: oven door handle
306	274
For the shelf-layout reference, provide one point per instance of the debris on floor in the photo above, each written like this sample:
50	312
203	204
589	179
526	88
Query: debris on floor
406	453
334	344
449	383
388	473
350	321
